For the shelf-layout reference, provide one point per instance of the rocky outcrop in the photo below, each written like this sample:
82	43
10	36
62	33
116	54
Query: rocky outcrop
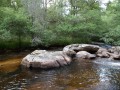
45	59
72	49
84	55
115	50
112	53
102	52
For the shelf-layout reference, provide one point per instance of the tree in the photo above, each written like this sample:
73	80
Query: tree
14	24
112	17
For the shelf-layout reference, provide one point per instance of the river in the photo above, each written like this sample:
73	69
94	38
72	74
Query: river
99	74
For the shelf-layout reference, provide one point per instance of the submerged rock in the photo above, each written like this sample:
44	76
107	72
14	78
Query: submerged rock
45	59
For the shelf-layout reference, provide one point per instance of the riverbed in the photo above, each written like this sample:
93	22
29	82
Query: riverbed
80	75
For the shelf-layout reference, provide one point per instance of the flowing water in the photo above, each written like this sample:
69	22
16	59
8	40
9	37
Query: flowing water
100	74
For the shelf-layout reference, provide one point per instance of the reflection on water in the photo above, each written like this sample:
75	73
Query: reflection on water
80	75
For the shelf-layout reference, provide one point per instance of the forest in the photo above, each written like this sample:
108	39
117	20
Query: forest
45	23
59	45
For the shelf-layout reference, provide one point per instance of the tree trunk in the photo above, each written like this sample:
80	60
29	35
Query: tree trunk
19	42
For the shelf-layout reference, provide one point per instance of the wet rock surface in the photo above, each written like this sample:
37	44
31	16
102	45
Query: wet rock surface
50	59
102	52
112	53
45	59
71	49
85	55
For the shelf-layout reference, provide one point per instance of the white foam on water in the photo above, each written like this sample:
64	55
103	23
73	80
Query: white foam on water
107	62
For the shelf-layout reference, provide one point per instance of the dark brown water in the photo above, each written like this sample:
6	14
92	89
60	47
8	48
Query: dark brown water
80	75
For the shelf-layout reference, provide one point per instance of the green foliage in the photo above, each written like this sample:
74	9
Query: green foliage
61	23
112	18
5	3
14	26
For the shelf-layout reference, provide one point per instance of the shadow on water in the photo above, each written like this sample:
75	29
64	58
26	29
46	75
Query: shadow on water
80	75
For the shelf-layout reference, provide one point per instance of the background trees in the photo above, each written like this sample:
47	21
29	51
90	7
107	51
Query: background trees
58	22
112	18
14	24
71	20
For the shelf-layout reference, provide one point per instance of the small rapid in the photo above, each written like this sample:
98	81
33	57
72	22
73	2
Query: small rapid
108	63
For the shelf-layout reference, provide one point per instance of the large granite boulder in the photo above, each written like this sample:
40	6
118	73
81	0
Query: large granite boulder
72	49
85	55
45	59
